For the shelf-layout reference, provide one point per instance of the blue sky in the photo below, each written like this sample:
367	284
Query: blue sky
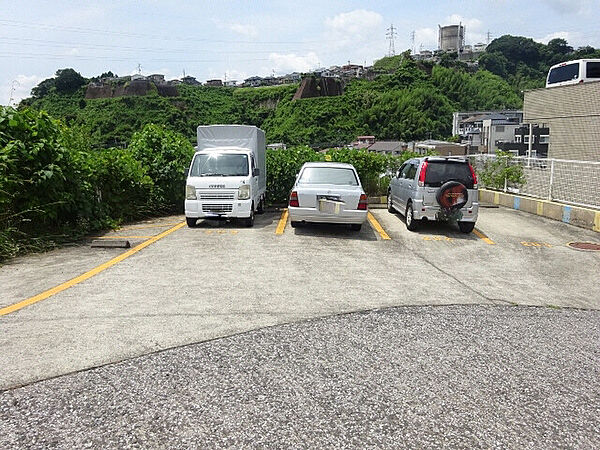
237	39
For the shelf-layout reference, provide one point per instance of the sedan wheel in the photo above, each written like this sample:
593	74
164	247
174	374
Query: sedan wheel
390	205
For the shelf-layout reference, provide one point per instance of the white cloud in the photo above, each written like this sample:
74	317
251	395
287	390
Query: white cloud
354	21
247	30
573	38
353	29
291	62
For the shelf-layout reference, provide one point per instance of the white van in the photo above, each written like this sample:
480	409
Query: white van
573	72
227	177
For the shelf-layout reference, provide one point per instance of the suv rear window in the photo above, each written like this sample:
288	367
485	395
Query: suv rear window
438	172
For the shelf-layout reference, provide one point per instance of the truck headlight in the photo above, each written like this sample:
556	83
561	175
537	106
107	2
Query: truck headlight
244	192
190	192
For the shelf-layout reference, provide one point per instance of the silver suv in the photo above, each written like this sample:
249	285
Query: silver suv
435	188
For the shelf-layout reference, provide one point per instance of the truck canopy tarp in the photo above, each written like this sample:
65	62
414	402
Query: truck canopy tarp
242	136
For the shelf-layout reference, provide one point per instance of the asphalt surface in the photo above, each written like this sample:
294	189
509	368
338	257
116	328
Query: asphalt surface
406	377
203	283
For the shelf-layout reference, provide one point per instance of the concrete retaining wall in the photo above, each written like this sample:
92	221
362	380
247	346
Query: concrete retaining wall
574	215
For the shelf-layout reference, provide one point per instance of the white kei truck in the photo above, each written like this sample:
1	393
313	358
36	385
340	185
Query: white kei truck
227	178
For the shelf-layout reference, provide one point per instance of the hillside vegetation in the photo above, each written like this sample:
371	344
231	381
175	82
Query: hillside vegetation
407	100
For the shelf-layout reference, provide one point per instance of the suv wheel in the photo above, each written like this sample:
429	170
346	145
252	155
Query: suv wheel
466	227
411	223
390	205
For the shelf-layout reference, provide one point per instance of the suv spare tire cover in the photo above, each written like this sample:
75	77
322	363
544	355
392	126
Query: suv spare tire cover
452	195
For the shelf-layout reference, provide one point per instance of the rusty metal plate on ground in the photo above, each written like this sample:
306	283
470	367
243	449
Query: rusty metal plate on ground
587	246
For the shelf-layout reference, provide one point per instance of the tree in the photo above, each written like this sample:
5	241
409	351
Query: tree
67	81
559	46
44	88
495	63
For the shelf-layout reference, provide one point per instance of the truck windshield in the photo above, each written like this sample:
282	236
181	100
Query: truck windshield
328	175
219	164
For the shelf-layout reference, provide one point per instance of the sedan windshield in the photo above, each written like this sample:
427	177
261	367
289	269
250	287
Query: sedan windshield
219	164
328	175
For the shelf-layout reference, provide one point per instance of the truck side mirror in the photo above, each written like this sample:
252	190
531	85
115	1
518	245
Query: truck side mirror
186	172
255	172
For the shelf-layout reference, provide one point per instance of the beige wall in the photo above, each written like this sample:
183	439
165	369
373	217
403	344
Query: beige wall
573	116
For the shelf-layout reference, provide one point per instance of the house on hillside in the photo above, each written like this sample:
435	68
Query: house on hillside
214	83
190	80
388	147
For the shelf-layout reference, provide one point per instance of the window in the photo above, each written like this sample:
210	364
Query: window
405	169
219	164
544	139
438	172
328	175
412	171
518	138
500	129
526	139
564	73
593	70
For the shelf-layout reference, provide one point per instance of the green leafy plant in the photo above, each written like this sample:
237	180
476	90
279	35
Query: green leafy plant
501	172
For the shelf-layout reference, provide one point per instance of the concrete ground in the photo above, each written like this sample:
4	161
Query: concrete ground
483	374
213	281
407	377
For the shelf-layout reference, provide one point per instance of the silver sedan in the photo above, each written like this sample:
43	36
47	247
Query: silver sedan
326	192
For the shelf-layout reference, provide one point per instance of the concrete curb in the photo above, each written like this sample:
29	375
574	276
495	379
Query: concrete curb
574	215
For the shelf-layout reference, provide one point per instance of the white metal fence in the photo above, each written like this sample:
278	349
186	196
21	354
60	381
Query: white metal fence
573	182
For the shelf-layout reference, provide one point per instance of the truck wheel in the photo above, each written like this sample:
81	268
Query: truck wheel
411	223
191	221
249	222
390	205
466	227
261	206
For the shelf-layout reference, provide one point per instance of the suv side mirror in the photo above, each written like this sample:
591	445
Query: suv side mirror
255	172
186	172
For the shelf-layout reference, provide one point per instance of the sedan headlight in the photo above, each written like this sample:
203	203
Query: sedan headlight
190	192
244	192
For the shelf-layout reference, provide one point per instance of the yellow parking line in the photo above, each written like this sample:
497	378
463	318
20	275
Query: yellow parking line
483	237
282	222
378	227
163	225
122	237
89	274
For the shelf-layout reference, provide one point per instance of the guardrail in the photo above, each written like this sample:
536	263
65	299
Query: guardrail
559	180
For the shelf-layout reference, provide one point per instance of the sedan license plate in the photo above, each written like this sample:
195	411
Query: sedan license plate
330	206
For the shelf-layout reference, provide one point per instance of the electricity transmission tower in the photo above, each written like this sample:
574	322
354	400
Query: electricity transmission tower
391	34
412	40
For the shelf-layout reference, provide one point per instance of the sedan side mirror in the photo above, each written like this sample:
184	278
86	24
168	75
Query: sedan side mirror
186	172
255	172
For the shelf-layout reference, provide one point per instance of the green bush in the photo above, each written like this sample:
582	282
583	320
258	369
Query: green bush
501	172
282	167
164	155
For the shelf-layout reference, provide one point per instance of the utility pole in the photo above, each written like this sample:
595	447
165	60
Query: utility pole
412	39
391	35
139	68
489	35
14	85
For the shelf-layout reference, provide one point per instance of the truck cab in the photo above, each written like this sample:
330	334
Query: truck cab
226	178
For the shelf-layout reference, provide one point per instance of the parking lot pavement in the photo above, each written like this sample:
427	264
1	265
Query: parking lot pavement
512	256
406	377
215	280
